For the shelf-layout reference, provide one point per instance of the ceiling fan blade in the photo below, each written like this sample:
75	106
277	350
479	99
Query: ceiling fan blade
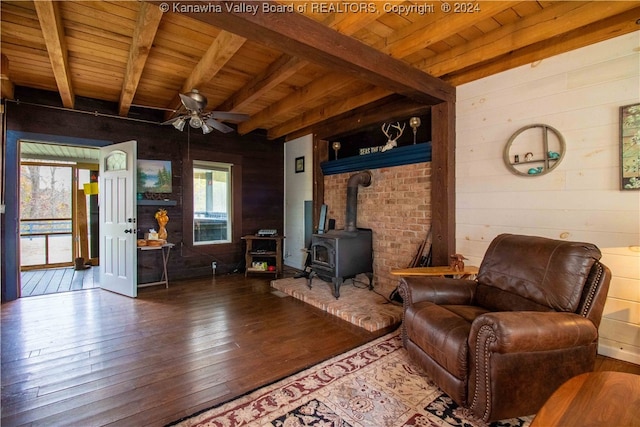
175	119
190	103
222	115
217	125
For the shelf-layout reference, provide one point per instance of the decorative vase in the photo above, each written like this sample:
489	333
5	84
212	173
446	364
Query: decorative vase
162	233
162	218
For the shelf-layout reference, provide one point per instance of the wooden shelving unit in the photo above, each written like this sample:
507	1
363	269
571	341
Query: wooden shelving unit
256	251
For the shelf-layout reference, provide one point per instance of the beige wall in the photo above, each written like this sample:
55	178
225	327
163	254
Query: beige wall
298	187
579	93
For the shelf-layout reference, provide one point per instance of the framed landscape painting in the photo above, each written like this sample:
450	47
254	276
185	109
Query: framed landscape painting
630	147
154	176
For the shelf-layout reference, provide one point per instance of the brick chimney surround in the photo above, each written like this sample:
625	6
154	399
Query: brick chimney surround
396	207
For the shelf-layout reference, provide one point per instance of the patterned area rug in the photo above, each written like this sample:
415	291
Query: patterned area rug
374	385
359	305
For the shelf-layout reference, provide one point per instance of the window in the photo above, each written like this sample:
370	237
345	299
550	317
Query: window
116	161
212	203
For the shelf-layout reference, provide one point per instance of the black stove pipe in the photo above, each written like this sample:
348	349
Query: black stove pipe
360	178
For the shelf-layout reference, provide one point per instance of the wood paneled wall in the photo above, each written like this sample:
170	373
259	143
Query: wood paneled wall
579	93
261	162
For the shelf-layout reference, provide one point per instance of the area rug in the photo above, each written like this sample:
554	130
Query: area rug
357	304
373	385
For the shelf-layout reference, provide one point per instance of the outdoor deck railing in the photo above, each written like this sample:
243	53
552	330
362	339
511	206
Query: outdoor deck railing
44	228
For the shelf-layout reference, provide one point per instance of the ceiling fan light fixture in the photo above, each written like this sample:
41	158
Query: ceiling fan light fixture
179	124
195	122
198	97
206	129
193	106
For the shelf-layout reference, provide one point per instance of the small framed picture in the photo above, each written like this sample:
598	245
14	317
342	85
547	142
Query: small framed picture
299	164
630	147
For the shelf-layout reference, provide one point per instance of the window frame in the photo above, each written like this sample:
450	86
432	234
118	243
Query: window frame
236	200
220	167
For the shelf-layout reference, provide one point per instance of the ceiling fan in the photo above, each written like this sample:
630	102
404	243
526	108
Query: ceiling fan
194	102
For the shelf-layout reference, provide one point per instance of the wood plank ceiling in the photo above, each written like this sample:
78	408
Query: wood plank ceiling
289	71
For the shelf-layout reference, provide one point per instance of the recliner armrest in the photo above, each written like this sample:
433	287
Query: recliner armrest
529	331
439	290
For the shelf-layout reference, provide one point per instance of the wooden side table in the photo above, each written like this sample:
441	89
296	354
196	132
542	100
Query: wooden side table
253	252
593	399
165	251
466	273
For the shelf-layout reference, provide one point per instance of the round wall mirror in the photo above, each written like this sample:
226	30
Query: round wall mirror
534	150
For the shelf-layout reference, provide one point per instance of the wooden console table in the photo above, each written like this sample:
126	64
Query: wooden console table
593	399
466	273
273	254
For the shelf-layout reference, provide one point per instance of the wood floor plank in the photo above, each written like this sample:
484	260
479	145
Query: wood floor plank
55	283
66	280
59	280
96	358
30	284
77	280
43	283
90	278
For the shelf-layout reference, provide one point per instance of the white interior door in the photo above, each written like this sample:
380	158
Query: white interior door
118	209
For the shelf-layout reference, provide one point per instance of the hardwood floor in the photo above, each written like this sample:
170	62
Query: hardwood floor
54	280
94	358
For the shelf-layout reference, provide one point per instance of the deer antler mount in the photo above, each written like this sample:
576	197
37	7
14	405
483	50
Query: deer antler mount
389	129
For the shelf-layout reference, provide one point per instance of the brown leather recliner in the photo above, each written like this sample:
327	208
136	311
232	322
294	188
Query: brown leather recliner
501	344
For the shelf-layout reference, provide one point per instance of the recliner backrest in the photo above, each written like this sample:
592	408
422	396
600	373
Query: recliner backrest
534	273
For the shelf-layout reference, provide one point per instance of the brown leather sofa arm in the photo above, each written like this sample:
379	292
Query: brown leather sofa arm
529	331
439	290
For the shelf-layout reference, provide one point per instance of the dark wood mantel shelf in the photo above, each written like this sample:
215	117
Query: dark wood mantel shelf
398	156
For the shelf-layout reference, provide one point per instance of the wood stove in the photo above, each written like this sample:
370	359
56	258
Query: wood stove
338	255
342	254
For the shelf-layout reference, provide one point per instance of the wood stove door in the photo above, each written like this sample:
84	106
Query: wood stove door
324	256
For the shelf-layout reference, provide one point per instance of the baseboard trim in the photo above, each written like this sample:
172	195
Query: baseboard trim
618	353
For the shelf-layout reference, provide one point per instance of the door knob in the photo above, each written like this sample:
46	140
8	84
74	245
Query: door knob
129	230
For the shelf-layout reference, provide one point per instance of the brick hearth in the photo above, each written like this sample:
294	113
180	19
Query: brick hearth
397	207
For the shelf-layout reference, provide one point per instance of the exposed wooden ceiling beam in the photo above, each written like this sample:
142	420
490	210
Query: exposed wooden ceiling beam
6	85
313	91
149	18
517	54
53	33
349	23
219	53
425	31
304	123
429	32
286	65
283	68
521	34
301	36
614	26
387	109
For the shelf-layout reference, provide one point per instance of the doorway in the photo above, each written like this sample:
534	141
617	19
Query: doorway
58	218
